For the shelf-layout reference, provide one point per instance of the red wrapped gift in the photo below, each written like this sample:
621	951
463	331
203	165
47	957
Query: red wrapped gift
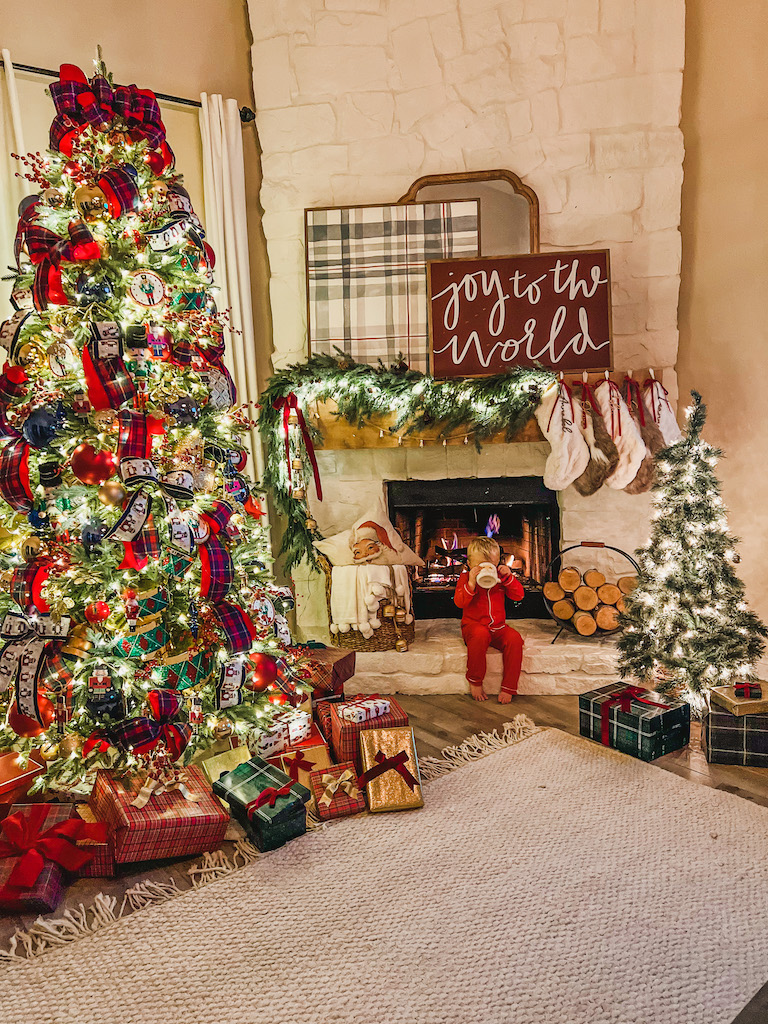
299	760
345	735
330	668
168	825
103	863
38	846
16	777
336	792
322	714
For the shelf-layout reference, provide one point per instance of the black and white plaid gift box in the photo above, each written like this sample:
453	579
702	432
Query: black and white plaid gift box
735	739
642	730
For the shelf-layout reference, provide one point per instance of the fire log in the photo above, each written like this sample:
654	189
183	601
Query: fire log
627	584
553	591
563	609
584	623
607	616
609	593
594	578
569	578
585	598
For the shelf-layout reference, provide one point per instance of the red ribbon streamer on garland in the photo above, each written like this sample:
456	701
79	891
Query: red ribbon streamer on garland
24	838
290	403
632	395
624	700
384	764
587	398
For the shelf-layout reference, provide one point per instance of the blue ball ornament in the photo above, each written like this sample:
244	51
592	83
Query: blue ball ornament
92	534
38	519
40	427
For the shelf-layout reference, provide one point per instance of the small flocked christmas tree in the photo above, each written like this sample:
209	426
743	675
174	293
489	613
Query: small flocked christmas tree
687	625
138	611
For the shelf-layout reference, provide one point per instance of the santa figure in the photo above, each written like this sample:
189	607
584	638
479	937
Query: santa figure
369	543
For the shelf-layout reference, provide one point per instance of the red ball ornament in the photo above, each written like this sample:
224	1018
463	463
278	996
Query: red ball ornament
72	168
264	672
97	612
22	725
92	467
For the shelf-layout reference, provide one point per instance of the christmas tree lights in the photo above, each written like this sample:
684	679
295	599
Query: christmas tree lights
687	626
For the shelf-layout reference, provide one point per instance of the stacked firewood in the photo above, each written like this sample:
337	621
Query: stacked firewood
587	602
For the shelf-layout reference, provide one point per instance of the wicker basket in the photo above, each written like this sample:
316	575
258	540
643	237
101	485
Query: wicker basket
384	638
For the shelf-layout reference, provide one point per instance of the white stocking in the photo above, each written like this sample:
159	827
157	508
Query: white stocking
655	395
624	434
570	454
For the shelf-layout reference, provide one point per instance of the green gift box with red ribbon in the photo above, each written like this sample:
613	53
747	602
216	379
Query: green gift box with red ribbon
638	722
266	801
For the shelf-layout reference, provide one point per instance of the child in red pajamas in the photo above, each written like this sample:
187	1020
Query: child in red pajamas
483	622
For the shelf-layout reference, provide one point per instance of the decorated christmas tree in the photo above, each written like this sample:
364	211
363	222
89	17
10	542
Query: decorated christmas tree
138	613
687	625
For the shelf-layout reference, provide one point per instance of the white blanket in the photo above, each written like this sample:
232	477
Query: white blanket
356	591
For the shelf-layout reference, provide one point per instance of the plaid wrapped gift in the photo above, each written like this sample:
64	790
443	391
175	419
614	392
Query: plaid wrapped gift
335	792
266	802
637	722
287	728
364	709
300	760
735	739
331	667
103	863
726	697
322	714
35	881
391	770
345	735
367	275
168	826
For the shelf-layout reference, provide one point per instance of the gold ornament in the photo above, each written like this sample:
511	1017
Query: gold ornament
91	202
400	615
388	611
401	644
297	464
293	418
223	728
77	643
30	548
52	197
49	751
112	493
206	477
71	744
310	524
7	540
105	419
158	189
299	493
32	356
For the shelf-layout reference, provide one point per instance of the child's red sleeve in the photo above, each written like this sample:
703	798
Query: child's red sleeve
513	588
463	596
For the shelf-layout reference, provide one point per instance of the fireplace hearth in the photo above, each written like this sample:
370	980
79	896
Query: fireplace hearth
438	518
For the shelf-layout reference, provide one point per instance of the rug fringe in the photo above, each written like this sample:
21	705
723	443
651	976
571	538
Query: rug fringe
480	745
47	934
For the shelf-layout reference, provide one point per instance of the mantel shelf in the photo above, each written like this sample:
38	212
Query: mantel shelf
340	435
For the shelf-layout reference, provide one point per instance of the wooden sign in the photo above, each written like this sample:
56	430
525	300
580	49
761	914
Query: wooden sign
491	313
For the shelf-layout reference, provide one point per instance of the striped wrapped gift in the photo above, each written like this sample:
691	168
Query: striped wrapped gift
268	803
735	739
168	826
637	722
345	736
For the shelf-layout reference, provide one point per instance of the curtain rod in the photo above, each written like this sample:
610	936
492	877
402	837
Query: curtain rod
246	114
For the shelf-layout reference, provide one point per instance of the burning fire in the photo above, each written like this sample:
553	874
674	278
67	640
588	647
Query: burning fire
493	525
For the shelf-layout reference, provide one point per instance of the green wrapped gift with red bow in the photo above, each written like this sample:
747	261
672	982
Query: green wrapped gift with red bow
266	801
38	850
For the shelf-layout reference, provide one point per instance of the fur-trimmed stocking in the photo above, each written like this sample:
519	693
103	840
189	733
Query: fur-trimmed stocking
570	454
623	432
603	454
662	413
649	432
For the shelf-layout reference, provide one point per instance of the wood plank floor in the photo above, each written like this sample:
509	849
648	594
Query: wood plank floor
440	721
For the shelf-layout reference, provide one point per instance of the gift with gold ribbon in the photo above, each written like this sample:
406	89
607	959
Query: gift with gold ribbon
38	846
390	774
336	792
266	801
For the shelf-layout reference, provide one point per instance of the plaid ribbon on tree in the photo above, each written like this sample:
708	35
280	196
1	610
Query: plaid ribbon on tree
119	186
217	570
237	627
143	734
108	381
80	103
47	250
147	544
213	354
134	440
14	476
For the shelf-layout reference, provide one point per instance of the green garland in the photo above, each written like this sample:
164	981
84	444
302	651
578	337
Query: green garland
486	406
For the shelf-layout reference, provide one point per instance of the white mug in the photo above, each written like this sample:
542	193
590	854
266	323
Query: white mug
488	576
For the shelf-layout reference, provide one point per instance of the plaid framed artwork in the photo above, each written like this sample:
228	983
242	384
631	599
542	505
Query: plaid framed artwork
367	275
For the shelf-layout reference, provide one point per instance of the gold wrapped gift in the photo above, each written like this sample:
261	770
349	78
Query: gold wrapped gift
390	769
726	697
310	756
220	764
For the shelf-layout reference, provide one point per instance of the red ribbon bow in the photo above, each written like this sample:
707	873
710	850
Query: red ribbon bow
753	691
24	838
142	734
290	403
384	764
295	762
632	397
587	398
624	700
268	796
47	251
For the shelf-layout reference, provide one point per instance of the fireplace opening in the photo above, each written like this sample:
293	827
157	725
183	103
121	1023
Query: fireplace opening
438	518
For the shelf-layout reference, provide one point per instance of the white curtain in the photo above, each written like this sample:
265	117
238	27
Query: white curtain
12	189
227	231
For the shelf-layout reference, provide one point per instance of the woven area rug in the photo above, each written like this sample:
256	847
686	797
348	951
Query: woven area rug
552	882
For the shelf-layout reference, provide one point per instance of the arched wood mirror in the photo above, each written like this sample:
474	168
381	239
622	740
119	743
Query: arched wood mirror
509	210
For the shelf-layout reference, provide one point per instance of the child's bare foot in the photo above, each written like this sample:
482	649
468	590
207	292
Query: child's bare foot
505	696
477	691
